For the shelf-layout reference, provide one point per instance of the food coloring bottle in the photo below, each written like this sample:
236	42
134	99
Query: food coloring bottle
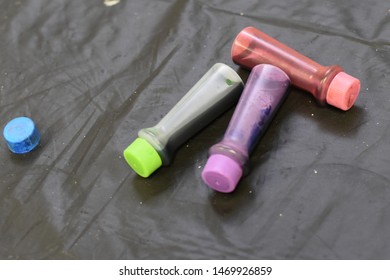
218	90
264	92
328	84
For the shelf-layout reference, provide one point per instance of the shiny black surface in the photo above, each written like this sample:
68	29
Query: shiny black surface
91	76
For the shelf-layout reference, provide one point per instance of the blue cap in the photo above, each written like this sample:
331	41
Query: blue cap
21	135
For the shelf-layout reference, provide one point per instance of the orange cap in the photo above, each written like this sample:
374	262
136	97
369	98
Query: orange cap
343	91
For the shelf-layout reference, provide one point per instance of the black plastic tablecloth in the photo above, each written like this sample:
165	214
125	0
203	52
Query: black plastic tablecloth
92	75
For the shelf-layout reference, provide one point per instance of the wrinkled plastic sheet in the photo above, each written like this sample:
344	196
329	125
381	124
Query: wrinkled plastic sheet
92	75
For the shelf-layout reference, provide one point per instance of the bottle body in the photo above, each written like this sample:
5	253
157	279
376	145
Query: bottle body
252	47
218	90
266	88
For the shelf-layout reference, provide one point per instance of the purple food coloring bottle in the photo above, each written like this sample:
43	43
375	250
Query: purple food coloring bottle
264	92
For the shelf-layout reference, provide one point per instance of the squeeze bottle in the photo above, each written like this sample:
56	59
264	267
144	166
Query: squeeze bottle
214	93
328	84
264	92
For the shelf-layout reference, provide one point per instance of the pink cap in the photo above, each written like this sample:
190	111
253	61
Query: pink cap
221	173
343	91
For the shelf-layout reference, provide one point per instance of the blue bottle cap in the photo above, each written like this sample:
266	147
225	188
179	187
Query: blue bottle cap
21	135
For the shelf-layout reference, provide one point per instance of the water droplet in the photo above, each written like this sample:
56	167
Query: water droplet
110	3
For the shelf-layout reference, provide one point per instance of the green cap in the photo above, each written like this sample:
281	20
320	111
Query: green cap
142	157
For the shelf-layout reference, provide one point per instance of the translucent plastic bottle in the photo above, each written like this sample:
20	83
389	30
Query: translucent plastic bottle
218	90
328	84
264	92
